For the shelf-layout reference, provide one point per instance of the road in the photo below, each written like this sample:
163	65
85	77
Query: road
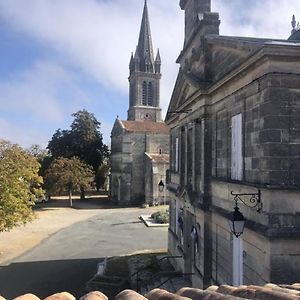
68	258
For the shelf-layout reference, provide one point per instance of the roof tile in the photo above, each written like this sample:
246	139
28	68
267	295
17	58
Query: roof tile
61	296
94	296
26	297
224	292
159	294
129	294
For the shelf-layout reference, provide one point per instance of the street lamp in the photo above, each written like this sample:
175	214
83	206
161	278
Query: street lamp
236	222
236	218
161	186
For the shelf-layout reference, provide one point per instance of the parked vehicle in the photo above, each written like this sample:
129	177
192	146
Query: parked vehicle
41	200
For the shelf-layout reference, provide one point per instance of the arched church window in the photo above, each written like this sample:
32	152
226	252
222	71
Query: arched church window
131	95
150	94
144	93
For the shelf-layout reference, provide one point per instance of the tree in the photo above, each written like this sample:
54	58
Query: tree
83	140
20	184
37	151
68	174
101	175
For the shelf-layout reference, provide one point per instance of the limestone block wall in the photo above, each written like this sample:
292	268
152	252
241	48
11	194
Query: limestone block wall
256	254
270	108
157	142
138	167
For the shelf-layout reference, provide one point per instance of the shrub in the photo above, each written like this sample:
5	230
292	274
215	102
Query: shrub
161	217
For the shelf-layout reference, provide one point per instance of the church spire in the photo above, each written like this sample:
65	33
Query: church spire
144	77
144	49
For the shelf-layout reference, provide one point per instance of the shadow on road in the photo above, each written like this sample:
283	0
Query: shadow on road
100	202
44	278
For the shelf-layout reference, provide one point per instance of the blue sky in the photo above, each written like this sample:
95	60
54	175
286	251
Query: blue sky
60	56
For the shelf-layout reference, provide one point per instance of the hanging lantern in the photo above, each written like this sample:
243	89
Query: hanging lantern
161	186
236	222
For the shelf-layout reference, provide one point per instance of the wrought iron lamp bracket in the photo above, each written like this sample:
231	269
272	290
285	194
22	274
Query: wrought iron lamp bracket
252	200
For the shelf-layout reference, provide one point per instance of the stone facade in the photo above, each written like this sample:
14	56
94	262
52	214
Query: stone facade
140	145
241	133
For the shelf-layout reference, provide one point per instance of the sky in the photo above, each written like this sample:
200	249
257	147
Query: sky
61	56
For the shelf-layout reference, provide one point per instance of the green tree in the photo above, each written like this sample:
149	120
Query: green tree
83	140
37	151
101	175
20	184
68	174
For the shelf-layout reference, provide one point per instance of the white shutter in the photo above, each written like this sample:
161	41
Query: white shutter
236	148
176	155
176	216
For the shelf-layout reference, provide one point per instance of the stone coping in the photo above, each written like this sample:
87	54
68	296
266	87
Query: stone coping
149	222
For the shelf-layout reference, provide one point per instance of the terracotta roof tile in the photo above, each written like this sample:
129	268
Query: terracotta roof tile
224	292
129	294
61	296
158	294
26	297
94	296
159	158
145	126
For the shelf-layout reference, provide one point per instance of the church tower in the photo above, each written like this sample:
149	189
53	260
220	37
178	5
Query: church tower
144	78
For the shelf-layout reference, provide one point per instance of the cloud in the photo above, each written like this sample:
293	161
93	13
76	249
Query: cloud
16	134
91	41
38	93
98	36
268	18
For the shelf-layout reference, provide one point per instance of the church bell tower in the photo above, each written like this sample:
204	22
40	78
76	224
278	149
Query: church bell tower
144	78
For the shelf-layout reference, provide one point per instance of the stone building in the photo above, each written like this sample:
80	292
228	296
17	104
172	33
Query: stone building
140	145
234	120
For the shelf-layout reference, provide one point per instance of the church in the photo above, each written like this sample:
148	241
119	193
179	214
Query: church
234	152
140	144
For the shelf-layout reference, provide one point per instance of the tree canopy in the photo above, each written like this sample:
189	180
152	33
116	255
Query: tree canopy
83	140
20	184
68	174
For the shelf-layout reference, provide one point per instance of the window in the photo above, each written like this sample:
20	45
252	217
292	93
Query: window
179	222
144	93
131	95
236	148
190	156
177	154
183	156
147	93
150	94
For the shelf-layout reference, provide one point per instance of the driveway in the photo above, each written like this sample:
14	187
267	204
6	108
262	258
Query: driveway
64	245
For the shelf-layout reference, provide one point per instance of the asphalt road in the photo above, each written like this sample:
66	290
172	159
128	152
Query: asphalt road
67	260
